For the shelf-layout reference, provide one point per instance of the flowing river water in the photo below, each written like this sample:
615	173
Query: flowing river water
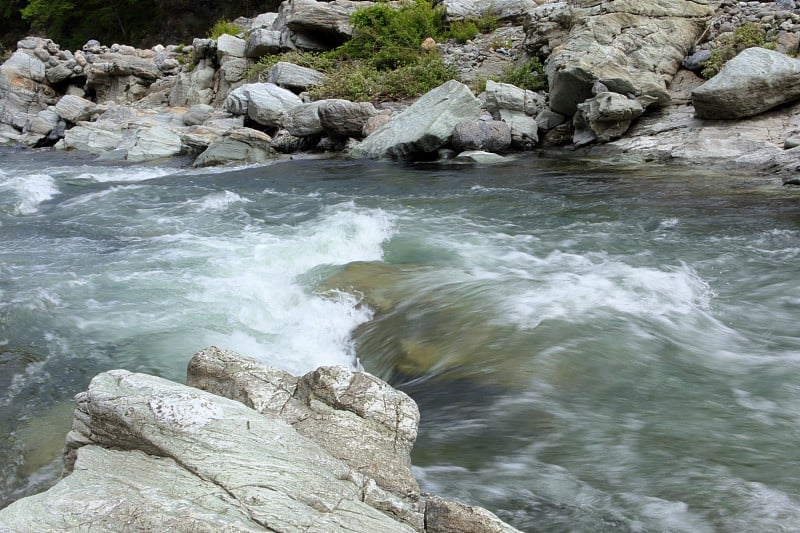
593	347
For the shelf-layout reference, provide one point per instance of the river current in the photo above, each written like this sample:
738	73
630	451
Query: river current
593	347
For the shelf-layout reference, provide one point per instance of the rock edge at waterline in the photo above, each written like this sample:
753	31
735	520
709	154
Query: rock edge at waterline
242	447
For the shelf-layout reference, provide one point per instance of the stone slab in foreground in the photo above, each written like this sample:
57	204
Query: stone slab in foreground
294	454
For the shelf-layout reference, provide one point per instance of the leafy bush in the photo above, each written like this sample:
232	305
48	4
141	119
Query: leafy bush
324	62
528	75
463	30
223	27
390	38
745	36
487	23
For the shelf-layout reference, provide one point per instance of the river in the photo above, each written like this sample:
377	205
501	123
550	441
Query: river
593	347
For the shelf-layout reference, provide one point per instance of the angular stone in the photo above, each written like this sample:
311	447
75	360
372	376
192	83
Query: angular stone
630	46
304	121
197	114
238	145
503	10
261	42
423	127
154	142
265	103
754	81
294	77
230	46
91	139
75	109
607	115
501	96
524	129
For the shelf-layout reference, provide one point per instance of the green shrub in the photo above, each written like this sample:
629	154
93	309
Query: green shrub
223	27
391	38
745	36
488	22
528	75
462	30
322	61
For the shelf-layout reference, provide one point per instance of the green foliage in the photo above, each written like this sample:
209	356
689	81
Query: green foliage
487	23
324	62
747	35
528	75
391	38
223	27
362	81
463	30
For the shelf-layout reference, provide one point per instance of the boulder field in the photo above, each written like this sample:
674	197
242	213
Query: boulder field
611	66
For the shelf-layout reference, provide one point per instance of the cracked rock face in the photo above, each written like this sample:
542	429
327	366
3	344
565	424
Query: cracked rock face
328	451
633	47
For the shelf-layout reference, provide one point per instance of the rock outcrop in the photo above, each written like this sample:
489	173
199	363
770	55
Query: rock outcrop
751	83
633	47
286	454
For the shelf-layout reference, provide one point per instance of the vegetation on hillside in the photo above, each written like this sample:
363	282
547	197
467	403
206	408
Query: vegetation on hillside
745	36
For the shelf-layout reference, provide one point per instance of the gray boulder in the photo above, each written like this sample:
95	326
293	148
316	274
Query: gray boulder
303	120
489	136
754	81
90	138
153	142
237	145
265	103
230	46
195	87
482	158
356	417
75	109
423	127
605	117
345	118
197	114
503	10
23	92
294	77
312	25
261	42
504	96
633	47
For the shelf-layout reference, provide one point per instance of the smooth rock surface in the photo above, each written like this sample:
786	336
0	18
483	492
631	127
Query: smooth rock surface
423	127
294	77
237	145
489	136
265	103
345	118
754	81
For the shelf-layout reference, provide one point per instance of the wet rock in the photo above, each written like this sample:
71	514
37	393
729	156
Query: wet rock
754	81
481	157
237	145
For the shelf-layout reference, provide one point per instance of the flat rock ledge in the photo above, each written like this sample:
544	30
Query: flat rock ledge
242	447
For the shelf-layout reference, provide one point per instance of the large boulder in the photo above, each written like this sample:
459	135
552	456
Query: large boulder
153	142
358	418
121	77
195	87
517	108
502	10
754	81
312	25
91	138
424	127
261	42
292	454
344	118
265	103
633	47
73	108
23	91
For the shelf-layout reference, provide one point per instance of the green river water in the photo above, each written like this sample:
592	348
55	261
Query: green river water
593	347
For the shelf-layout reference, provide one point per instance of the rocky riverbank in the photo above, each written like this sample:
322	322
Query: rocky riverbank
621	79
242	447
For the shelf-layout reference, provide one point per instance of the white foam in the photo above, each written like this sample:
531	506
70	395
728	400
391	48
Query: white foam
123	174
31	190
220	201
